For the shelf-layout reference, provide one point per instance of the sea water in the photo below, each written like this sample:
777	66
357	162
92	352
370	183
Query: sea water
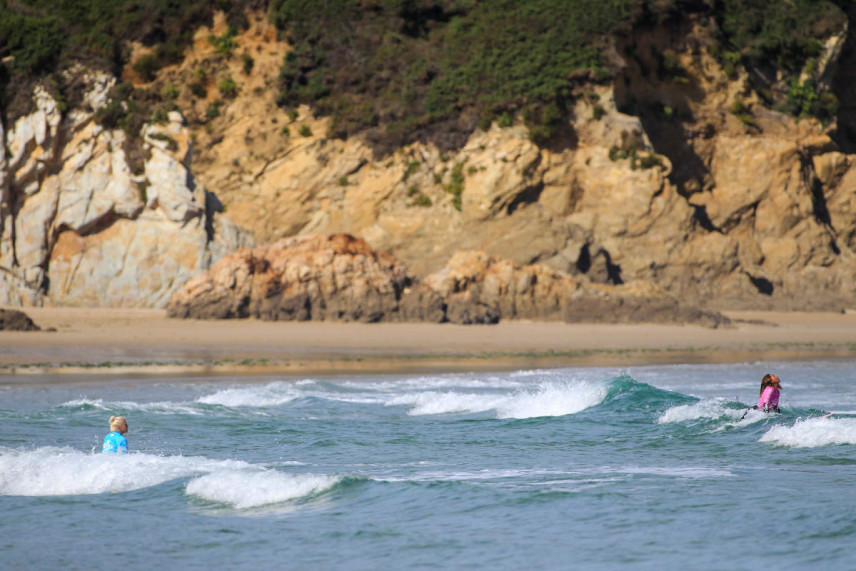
646	468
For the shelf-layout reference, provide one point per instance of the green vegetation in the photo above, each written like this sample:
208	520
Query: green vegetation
160	116
805	100
456	185
248	63
224	44
412	168
780	39
144	191
405	70
170	91
414	69
228	88
197	89
419	198
213	110
629	149
147	67
784	35
171	144
304	131
740	111
42	36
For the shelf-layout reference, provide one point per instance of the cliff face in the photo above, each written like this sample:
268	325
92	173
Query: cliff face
652	179
80	228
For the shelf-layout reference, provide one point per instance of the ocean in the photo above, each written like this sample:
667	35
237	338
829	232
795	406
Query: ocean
580	468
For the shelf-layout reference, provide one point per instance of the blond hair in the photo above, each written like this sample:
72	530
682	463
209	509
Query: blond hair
116	422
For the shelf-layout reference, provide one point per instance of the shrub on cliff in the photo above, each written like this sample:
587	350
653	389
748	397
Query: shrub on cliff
410	69
42	36
404	70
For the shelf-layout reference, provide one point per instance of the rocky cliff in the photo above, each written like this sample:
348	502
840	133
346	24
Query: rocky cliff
340	278
79	227
692	185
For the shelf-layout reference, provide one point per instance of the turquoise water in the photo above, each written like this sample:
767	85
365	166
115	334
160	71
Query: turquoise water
646	468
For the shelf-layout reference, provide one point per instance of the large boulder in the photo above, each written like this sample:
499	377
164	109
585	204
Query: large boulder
341	278
479	288
338	278
14	320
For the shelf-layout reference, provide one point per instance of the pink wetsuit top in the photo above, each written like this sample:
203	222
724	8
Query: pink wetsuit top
770	396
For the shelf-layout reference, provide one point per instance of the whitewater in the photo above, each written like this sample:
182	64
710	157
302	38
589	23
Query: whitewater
587	468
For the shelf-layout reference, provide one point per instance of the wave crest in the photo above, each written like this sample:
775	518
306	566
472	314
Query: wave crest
272	394
242	489
813	433
52	471
550	398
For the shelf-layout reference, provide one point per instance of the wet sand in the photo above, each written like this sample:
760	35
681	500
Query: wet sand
144	342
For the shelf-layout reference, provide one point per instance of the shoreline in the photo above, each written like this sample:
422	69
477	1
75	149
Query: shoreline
90	344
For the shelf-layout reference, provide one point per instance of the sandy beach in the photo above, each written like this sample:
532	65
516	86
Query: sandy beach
145	342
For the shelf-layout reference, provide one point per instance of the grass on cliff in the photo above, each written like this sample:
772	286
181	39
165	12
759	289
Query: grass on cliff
41	37
404	70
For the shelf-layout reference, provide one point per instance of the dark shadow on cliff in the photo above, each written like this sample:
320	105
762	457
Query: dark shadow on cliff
843	85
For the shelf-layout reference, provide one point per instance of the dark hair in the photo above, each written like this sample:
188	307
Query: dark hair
769	379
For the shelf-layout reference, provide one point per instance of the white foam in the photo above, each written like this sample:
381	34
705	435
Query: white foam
534	476
434	383
164	407
554	399
95	403
688	472
551	398
243	489
486	475
52	471
432	402
813	433
272	394
708	408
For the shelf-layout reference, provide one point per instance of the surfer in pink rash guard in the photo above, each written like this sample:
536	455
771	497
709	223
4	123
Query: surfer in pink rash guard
770	390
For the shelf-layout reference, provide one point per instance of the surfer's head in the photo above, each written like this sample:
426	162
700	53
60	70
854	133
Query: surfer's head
770	380
119	424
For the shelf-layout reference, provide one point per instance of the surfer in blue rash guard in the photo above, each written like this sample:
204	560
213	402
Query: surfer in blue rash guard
115	442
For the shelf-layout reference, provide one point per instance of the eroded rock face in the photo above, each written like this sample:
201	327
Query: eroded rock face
485	285
723	213
340	278
718	211
78	227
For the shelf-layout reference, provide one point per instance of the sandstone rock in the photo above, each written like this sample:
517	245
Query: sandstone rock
479	288
14	320
336	278
95	184
16	291
728	214
341	278
132	263
30	142
421	303
6	219
78	225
